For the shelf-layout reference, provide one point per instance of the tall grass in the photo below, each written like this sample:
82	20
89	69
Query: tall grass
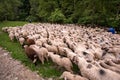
46	70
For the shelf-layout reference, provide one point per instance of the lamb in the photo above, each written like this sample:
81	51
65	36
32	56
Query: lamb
31	54
69	76
93	72
42	53
62	62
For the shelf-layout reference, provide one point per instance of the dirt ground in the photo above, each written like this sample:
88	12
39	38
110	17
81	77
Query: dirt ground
11	69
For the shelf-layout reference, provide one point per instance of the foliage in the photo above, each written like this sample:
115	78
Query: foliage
32	18
8	9
57	16
100	12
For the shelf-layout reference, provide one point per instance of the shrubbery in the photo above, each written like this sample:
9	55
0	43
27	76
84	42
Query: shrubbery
57	16
99	12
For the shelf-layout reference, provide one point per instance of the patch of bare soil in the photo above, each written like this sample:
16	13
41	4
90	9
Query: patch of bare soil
11	69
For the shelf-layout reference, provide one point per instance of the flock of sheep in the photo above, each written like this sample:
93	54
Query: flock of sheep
94	51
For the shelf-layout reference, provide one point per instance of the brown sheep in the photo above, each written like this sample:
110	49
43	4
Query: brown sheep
29	41
31	54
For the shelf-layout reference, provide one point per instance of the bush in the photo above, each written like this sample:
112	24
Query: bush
32	18
57	16
69	20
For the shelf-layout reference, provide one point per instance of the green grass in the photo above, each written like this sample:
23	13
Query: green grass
46	70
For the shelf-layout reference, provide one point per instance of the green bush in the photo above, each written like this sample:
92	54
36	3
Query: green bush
69	20
57	16
32	18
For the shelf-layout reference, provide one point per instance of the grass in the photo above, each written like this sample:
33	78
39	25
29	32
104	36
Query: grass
46	70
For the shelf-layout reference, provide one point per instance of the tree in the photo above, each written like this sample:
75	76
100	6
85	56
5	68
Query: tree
57	16
9	9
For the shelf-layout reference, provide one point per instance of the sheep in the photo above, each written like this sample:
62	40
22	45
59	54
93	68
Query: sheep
69	76
110	62
11	36
64	40
38	42
117	61
51	48
70	45
93	72
115	69
21	40
62	62
29	41
69	53
31	54
17	35
24	33
5	29
115	51
61	51
98	53
42	53
108	56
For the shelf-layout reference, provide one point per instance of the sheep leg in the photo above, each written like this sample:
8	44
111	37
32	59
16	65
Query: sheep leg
34	61
42	60
46	58
68	68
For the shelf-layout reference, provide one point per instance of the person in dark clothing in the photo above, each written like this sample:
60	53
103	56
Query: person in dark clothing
112	30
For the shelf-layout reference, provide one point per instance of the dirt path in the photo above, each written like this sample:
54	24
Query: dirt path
11	69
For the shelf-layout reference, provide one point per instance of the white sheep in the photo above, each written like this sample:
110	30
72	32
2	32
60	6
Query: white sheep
69	76
69	53
62	62
11	36
51	48
21	40
42	53
93	72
